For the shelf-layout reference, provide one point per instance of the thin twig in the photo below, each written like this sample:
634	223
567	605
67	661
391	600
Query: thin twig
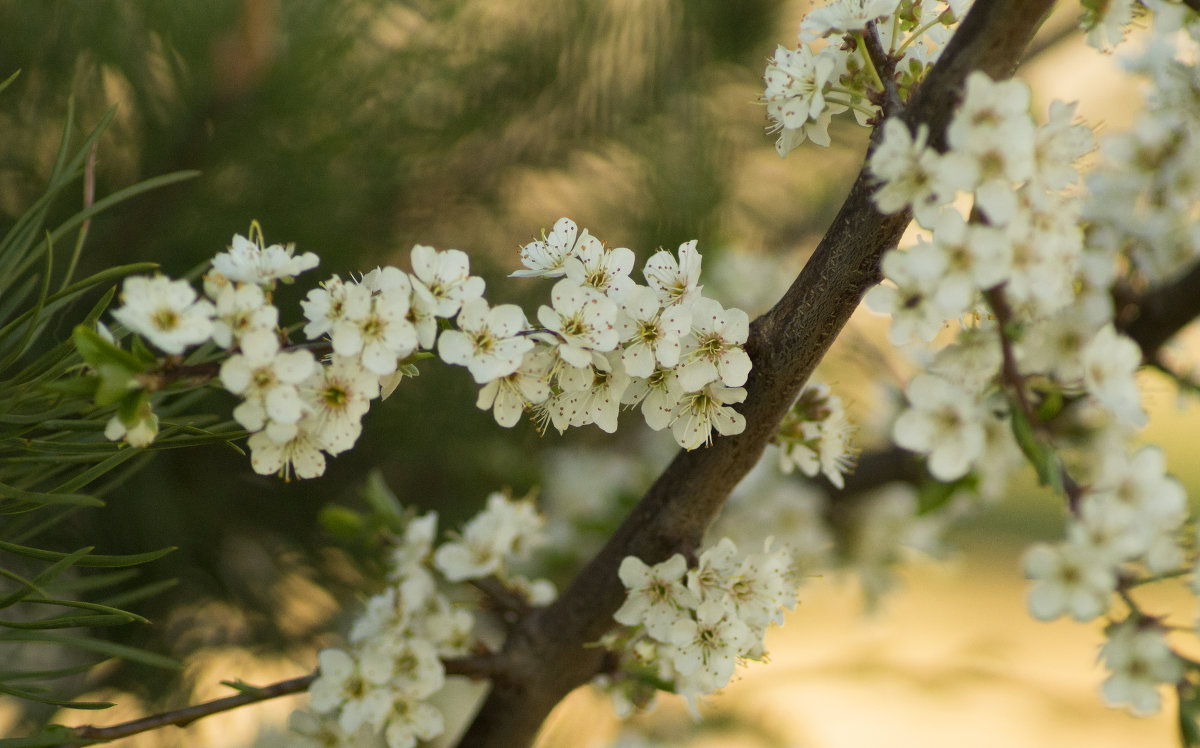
1010	375
187	715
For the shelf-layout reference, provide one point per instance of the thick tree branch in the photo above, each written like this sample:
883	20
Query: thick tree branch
547	653
1163	311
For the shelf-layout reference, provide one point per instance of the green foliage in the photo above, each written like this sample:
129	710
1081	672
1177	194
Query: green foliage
56	394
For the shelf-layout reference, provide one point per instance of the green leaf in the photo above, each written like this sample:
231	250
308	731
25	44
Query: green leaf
36	695
62	672
38	497
1188	712
381	498
111	649
1042	457
43	577
96	350
341	521
132	559
141	593
67	622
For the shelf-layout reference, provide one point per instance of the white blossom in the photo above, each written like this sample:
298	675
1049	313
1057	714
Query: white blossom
1140	661
247	261
165	312
446	276
487	340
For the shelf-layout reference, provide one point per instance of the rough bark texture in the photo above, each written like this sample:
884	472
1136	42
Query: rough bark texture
546	656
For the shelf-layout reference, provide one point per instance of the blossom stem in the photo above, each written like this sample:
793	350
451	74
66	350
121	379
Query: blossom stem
852	105
1011	376
869	54
883	66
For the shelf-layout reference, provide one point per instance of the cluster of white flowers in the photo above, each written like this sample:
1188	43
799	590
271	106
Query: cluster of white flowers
380	684
1031	296
606	341
692	626
805	87
1145	196
815	436
1022	237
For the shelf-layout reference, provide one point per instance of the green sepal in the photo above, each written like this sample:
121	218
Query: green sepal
933	495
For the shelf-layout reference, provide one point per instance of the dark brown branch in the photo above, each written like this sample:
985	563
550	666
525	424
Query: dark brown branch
547	653
186	716
1163	311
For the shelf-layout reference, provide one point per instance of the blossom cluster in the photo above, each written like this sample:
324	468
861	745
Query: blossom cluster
823	76
603	341
815	436
1039	366
691	627
1022	236
381	683
606	341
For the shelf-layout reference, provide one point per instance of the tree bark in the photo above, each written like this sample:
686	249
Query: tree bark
546	654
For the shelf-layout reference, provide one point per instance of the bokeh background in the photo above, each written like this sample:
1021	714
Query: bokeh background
361	127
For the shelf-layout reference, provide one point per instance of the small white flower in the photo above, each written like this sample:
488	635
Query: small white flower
916	272
410	721
797	81
596	266
1140	661
138	433
267	379
487	340
649	332
241	309
675	281
381	335
908	172
505	529
1105	21
1068	578
991	142
334	302
844	16
249	262
509	396
544	258
165	312
1110	363
446	276
714	350
657	596
337	396
699	412
584	323
300	455
707	647
659	395
943	422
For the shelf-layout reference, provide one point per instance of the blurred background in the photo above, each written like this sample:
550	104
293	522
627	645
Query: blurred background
358	128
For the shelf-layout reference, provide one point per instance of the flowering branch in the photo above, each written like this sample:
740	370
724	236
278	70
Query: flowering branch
546	652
